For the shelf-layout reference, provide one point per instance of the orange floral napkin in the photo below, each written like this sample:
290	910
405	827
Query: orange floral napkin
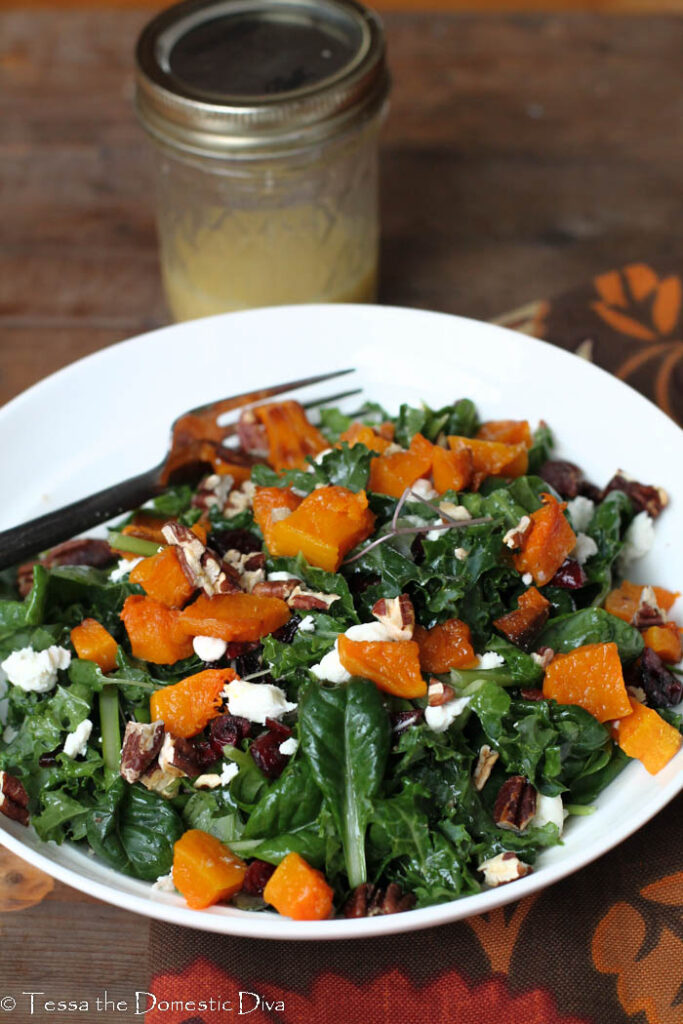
604	946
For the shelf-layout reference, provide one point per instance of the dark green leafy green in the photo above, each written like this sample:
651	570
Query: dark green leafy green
591	626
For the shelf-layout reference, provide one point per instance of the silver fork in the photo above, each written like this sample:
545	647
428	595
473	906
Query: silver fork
37	535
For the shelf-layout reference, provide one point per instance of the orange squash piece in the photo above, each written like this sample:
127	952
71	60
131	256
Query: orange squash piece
452	470
625	599
506	432
493	458
548	543
268	501
445	646
592	677
161	577
328	523
644	734
188	706
291	436
241	617
392	666
359	433
299	891
154	631
95	643
665	641
205	871
391	474
522	626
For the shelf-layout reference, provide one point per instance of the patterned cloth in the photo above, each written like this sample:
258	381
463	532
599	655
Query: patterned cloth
604	946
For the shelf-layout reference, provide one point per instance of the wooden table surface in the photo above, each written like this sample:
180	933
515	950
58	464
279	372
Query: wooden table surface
522	154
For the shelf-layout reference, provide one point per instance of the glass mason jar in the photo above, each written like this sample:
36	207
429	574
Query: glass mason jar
265	116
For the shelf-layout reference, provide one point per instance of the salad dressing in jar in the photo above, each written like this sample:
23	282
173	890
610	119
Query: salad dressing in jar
265	115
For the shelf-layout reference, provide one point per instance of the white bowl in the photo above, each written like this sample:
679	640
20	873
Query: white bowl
107	417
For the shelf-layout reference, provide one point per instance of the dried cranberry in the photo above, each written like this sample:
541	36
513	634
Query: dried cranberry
234	540
644	498
565	477
285	634
47	760
361	582
532	694
266	749
258	873
401	721
227	731
417	551
247	662
588	490
661	687
570	575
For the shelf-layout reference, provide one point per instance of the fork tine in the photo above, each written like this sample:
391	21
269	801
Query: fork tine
224	405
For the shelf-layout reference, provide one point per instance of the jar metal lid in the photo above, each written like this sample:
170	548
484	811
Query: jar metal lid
245	78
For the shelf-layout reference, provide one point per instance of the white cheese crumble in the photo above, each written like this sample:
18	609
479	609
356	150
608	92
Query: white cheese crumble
36	670
256	701
330	667
76	743
433	534
282	576
439	718
489	659
548	809
638	539
581	511
228	773
125	566
584	548
527	579
307	624
289	747
321	455
209	648
164	883
424	490
368	631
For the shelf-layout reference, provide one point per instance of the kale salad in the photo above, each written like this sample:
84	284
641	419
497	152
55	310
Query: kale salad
357	667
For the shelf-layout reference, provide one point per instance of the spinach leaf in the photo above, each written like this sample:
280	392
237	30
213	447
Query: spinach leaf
134	830
345	739
59	810
42	722
77	591
215	812
307	842
591	626
291	803
607	528
342	467
460	418
174	500
333	422
542	448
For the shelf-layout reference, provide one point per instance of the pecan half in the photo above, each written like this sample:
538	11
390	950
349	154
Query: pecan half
439	693
397	615
141	745
252	434
543	656
514	538
503	868
644	498
311	600
276	588
201	566
484	766
648	613
13	799
515	804
84	551
213	491
368	901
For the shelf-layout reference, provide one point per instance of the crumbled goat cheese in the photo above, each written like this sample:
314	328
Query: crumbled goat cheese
489	659
282	576
439	718
433	534
548	809
289	747
307	624
36	670
584	548
527	579
330	667
228	773
424	490
321	455
164	883
581	511
209	648
76	743
256	701
125	566
638	539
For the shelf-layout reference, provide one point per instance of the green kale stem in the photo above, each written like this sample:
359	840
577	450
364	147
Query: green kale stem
109	724
134	545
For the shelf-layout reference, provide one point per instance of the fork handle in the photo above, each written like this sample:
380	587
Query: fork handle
20	542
